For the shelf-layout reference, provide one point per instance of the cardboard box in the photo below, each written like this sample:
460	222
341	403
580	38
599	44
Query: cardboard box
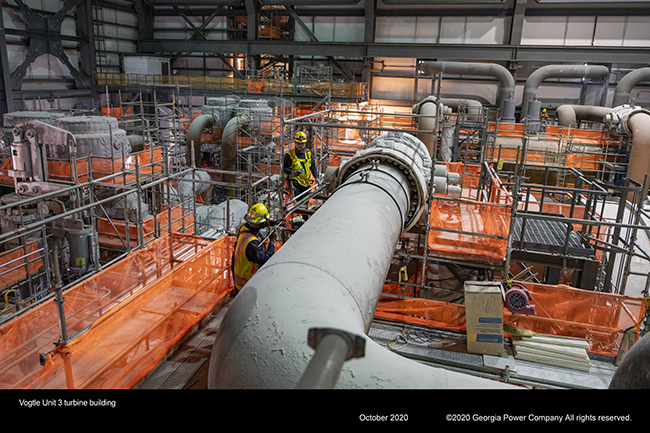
484	317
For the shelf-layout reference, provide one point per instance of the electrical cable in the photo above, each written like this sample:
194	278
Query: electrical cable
417	336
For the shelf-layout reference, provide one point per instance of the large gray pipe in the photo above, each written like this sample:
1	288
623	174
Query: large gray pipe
330	274
229	147
506	80
557	71
639	164
635	122
627	83
427	110
194	137
571	115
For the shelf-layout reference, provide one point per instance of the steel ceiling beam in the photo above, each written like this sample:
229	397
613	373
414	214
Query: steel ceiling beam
352	50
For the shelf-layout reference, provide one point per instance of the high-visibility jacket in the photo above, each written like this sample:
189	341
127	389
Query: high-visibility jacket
243	269
305	178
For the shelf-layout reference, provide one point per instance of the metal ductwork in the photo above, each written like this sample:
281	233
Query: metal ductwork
506	80
571	115
635	122
627	83
329	275
557	71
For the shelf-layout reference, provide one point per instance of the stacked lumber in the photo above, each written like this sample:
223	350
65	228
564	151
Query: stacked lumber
565	352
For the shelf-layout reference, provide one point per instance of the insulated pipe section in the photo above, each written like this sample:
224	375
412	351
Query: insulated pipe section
634	121
571	115
557	71
627	83
330	275
427	110
194	137
229	147
639	165
506	80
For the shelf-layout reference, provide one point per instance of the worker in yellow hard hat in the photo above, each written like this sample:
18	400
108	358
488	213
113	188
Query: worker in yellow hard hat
300	165
543	119
249	254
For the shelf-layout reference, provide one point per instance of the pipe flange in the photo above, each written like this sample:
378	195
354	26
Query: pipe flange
617	119
409	161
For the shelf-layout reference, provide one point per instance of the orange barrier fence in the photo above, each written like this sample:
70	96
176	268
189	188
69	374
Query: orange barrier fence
13	264
102	167
113	232
126	317
600	318
459	228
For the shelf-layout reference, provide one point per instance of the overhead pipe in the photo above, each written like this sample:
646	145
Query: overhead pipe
557	71
474	108
627	83
329	275
571	115
506	80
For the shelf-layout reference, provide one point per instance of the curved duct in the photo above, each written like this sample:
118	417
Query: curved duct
571	115
229	146
474	109
330	274
506	81
194	137
427	109
639	164
191	184
635	122
627	83
557	71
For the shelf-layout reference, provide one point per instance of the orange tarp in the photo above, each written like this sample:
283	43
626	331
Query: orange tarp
600	318
113	232
7	165
470	217
62	170
12	264
131	314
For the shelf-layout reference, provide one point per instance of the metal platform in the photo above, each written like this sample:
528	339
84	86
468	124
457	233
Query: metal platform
549	237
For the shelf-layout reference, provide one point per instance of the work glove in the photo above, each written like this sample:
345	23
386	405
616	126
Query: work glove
273	236
295	173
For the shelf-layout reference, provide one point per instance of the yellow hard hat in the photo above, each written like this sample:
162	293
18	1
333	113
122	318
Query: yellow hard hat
544	110
257	214
300	137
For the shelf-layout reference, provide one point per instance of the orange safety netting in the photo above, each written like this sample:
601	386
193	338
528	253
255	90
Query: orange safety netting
600	318
103	167
5	168
15	264
126	317
459	228
113	232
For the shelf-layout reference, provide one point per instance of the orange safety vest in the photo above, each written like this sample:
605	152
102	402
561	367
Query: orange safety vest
243	269
305	178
